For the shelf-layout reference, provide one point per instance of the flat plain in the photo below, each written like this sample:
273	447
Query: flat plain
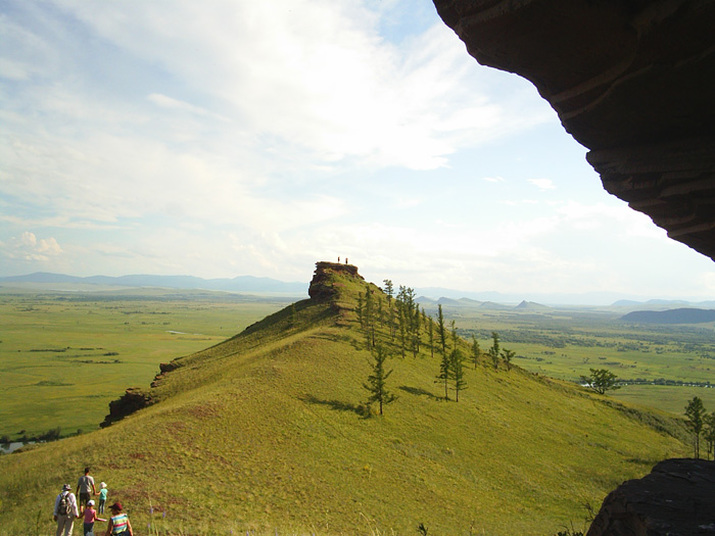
664	365
65	354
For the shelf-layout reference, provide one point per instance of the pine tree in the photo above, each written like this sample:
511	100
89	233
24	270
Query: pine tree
445	373
389	289
709	434
441	331
476	351
457	372
376	382
695	414
416	332
507	356
494	350
430	336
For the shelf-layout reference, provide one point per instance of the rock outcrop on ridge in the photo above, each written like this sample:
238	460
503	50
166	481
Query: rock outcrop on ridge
321	289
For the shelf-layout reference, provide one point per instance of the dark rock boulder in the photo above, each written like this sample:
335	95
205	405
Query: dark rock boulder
677	498
632	80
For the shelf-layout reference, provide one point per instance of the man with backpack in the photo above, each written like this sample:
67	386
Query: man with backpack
65	511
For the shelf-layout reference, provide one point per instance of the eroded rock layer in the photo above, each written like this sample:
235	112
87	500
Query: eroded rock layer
632	80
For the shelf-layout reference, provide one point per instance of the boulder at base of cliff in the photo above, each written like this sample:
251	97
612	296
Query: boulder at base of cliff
677	499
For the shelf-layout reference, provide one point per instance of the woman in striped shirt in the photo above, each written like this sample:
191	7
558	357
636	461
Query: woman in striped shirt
119	524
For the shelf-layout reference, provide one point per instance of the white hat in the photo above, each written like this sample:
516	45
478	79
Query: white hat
90	502
102	485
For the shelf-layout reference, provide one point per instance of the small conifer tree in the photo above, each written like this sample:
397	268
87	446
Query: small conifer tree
494	350
507	356
476	351
377	380
695	419
457	372
709	434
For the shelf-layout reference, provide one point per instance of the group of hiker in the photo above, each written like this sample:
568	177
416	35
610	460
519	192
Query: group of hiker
69	507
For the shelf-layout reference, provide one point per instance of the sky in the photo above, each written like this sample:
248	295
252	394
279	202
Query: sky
234	137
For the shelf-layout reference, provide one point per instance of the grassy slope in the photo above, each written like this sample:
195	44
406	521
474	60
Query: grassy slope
65	355
265	431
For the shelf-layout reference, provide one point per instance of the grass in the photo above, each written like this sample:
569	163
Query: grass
266	432
64	356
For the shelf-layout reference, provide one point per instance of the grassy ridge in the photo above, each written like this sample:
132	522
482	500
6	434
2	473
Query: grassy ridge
266	431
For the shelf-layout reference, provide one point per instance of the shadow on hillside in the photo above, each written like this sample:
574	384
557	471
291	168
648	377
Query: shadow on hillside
337	405
418	392
357	345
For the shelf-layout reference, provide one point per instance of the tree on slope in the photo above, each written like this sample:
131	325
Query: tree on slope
457	372
376	381
601	380
430	336
476	351
493	352
441	330
445	373
695	420
709	434
507	356
389	289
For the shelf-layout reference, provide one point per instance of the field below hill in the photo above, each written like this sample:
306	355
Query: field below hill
65	355
268	432
665	366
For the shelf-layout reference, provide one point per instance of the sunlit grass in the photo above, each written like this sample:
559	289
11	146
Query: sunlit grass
267	432
65	356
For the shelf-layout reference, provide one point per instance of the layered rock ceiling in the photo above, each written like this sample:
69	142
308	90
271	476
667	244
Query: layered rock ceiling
632	80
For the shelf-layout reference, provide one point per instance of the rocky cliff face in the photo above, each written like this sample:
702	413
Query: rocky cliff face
632	80
677	498
131	401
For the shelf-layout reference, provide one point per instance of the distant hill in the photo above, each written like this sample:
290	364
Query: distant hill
684	315
269	432
244	283
532	306
427	295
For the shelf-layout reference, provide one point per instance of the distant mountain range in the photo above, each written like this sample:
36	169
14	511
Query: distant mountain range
427	295
683	315
244	283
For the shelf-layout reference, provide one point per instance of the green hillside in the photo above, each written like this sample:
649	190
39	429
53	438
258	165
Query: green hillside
267	432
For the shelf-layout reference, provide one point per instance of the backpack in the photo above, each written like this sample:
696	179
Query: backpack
65	507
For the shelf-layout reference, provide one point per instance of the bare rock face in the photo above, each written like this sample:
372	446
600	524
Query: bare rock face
321	287
677	499
131	401
632	80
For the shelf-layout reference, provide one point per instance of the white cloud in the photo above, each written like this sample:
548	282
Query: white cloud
543	184
28	247
314	74
174	104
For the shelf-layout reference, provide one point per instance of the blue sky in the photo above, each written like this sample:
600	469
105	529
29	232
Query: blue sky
227	138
